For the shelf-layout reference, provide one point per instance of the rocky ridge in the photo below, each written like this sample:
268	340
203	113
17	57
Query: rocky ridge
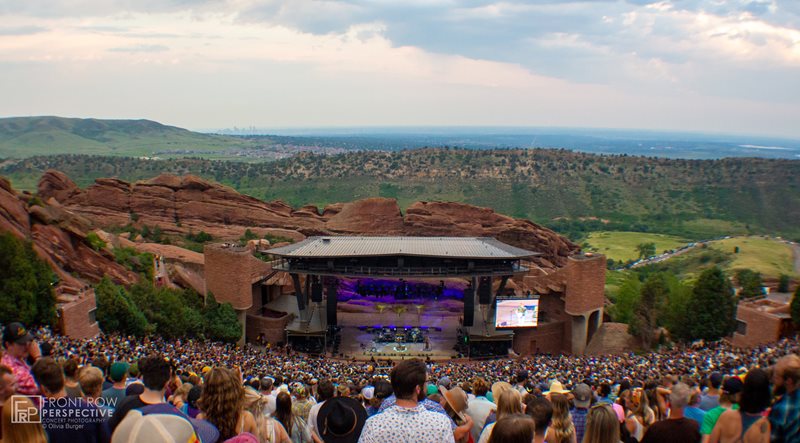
59	237
180	205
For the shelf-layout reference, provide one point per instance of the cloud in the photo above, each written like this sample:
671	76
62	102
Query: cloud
21	30
140	48
739	51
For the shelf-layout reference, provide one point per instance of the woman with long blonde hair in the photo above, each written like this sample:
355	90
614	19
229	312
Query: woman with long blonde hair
222	403
561	429
509	403
602	425
29	432
268	429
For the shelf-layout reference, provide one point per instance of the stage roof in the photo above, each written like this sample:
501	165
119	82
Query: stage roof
445	247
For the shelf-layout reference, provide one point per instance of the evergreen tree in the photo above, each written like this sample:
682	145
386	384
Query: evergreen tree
221	321
674	310
795	307
750	282
783	283
711	313
646	249
116	312
646	312
26	284
627	297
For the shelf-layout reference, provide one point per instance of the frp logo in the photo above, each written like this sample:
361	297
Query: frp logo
24	410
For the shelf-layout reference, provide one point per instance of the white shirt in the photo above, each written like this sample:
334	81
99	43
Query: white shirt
479	409
312	419
407	425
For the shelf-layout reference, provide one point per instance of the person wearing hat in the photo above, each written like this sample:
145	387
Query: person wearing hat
118	374
407	420
456	402
728	399
581	400
19	345
341	420
138	427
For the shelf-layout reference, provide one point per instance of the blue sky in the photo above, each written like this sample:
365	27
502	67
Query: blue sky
698	65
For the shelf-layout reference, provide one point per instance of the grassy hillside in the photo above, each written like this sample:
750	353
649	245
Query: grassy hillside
29	136
621	246
768	256
575	193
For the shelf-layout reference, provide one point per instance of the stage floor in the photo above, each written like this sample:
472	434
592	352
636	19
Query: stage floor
442	334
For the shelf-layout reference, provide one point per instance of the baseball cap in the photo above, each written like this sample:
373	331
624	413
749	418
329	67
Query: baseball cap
445	381
368	392
118	370
732	385
17	333
583	395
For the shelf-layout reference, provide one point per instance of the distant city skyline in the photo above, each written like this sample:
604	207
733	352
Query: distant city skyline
708	66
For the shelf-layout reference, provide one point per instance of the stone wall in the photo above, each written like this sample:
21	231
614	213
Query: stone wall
546	338
272	328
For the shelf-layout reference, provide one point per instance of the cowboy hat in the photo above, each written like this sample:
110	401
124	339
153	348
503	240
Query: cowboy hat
556	388
341	420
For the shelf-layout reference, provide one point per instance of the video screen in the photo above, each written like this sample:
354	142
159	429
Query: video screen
517	313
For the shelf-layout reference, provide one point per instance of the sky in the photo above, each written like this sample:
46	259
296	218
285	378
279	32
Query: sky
690	65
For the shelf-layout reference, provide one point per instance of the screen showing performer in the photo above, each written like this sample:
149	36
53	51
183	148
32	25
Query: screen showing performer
517	313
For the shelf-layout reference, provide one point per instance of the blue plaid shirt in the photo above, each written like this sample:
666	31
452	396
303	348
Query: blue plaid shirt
579	420
785	418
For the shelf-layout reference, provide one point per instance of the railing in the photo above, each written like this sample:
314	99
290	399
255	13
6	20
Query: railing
284	265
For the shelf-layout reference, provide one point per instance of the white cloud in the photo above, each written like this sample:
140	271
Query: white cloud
515	62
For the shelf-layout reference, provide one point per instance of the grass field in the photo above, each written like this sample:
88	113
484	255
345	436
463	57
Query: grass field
765	255
622	245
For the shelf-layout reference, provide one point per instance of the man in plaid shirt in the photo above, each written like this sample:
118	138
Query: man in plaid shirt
785	414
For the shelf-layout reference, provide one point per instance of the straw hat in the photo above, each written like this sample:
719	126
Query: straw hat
556	388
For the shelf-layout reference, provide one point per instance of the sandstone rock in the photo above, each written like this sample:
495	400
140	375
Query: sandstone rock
179	205
57	185
369	216
13	214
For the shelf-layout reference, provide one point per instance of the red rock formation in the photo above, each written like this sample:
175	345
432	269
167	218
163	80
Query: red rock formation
370	216
13	215
189	204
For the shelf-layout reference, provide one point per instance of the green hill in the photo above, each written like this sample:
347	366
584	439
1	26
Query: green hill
574	193
621	246
30	136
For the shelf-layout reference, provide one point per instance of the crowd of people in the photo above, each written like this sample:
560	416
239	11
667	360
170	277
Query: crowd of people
127	389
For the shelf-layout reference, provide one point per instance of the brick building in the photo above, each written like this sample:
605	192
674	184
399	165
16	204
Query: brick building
762	321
